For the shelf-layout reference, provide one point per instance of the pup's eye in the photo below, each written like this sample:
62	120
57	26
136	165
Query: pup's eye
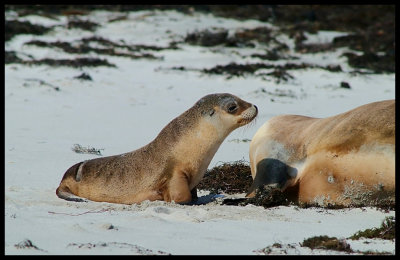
232	108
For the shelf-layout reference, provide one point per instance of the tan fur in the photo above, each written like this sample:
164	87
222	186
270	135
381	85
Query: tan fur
170	166
346	159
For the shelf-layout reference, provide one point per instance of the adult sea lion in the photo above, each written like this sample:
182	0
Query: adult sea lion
347	159
167	168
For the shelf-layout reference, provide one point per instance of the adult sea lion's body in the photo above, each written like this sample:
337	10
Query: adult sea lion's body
167	168
347	159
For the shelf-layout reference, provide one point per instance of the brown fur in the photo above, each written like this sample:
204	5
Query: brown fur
167	168
345	159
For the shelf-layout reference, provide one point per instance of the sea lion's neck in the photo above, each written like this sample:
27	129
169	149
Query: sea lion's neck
193	138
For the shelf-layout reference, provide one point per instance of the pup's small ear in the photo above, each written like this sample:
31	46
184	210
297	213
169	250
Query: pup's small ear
209	112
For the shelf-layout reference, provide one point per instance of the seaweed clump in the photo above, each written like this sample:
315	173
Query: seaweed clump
14	27
242	38
279	71
229	178
110	48
88	150
387	230
267	197
78	62
235	177
325	242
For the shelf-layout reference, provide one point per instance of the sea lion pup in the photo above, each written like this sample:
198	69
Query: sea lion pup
345	160
167	168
